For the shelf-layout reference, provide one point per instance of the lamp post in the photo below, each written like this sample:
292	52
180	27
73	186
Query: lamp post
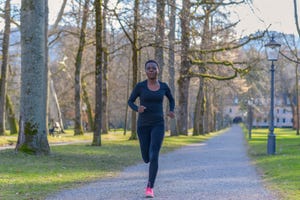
250	118
272	51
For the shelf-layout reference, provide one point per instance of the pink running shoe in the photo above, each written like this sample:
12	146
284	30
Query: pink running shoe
149	192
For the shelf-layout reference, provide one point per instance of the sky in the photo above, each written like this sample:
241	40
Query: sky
277	13
54	6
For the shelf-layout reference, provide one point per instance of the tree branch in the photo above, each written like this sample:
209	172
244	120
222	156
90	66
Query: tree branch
229	48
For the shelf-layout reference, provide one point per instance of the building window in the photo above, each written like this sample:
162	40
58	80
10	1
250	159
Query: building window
265	120
236	100
283	120
278	120
284	110
230	110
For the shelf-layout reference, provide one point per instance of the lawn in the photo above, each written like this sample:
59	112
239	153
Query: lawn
7	139
25	176
282	170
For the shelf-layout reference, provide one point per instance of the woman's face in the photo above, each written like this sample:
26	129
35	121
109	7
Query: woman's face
151	70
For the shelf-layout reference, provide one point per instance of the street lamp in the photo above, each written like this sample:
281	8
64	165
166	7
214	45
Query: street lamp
272	51
250	117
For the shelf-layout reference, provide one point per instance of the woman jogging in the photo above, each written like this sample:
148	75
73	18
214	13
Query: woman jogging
150	124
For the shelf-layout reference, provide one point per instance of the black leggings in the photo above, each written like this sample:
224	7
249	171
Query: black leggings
151	138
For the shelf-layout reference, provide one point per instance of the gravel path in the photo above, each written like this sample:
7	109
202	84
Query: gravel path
218	169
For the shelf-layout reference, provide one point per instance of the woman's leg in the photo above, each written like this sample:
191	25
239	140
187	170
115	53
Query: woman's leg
157	136
144	135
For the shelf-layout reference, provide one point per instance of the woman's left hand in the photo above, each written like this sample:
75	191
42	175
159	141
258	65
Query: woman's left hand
171	114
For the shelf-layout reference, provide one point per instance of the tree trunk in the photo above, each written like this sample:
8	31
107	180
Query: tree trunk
160	35
5	53
159	46
212	115
98	74
105	100
135	53
297	99
78	130
54	108
199	109
34	77
11	117
60	13
89	124
58	18
172	16
56	113
127	96
134	59
208	106
297	85
184	81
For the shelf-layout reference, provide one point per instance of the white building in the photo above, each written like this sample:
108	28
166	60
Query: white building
283	116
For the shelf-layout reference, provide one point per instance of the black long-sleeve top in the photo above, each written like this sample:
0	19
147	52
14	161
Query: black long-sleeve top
153	101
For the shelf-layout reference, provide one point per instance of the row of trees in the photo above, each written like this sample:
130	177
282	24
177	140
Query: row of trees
93	54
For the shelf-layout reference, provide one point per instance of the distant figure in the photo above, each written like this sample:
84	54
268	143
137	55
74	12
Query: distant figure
237	120
150	124
55	129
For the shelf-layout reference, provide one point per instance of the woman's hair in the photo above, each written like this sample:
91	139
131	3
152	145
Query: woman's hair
151	61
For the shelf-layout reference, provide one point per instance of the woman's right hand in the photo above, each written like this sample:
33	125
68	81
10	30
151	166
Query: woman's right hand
141	109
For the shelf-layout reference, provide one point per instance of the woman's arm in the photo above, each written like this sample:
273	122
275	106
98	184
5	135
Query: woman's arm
132	98
171	102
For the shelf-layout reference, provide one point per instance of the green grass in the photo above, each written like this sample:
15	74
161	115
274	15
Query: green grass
281	171
34	177
67	137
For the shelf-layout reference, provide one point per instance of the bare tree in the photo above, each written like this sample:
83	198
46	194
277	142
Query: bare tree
135	55
291	54
160	35
5	53
54	108
184	81
59	15
171	37
105	99
34	88
297	86
134	42
11	116
98	73
201	101
219	65
78	130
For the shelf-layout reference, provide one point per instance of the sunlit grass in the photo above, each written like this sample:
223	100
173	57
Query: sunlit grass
34	177
281	171
68	136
